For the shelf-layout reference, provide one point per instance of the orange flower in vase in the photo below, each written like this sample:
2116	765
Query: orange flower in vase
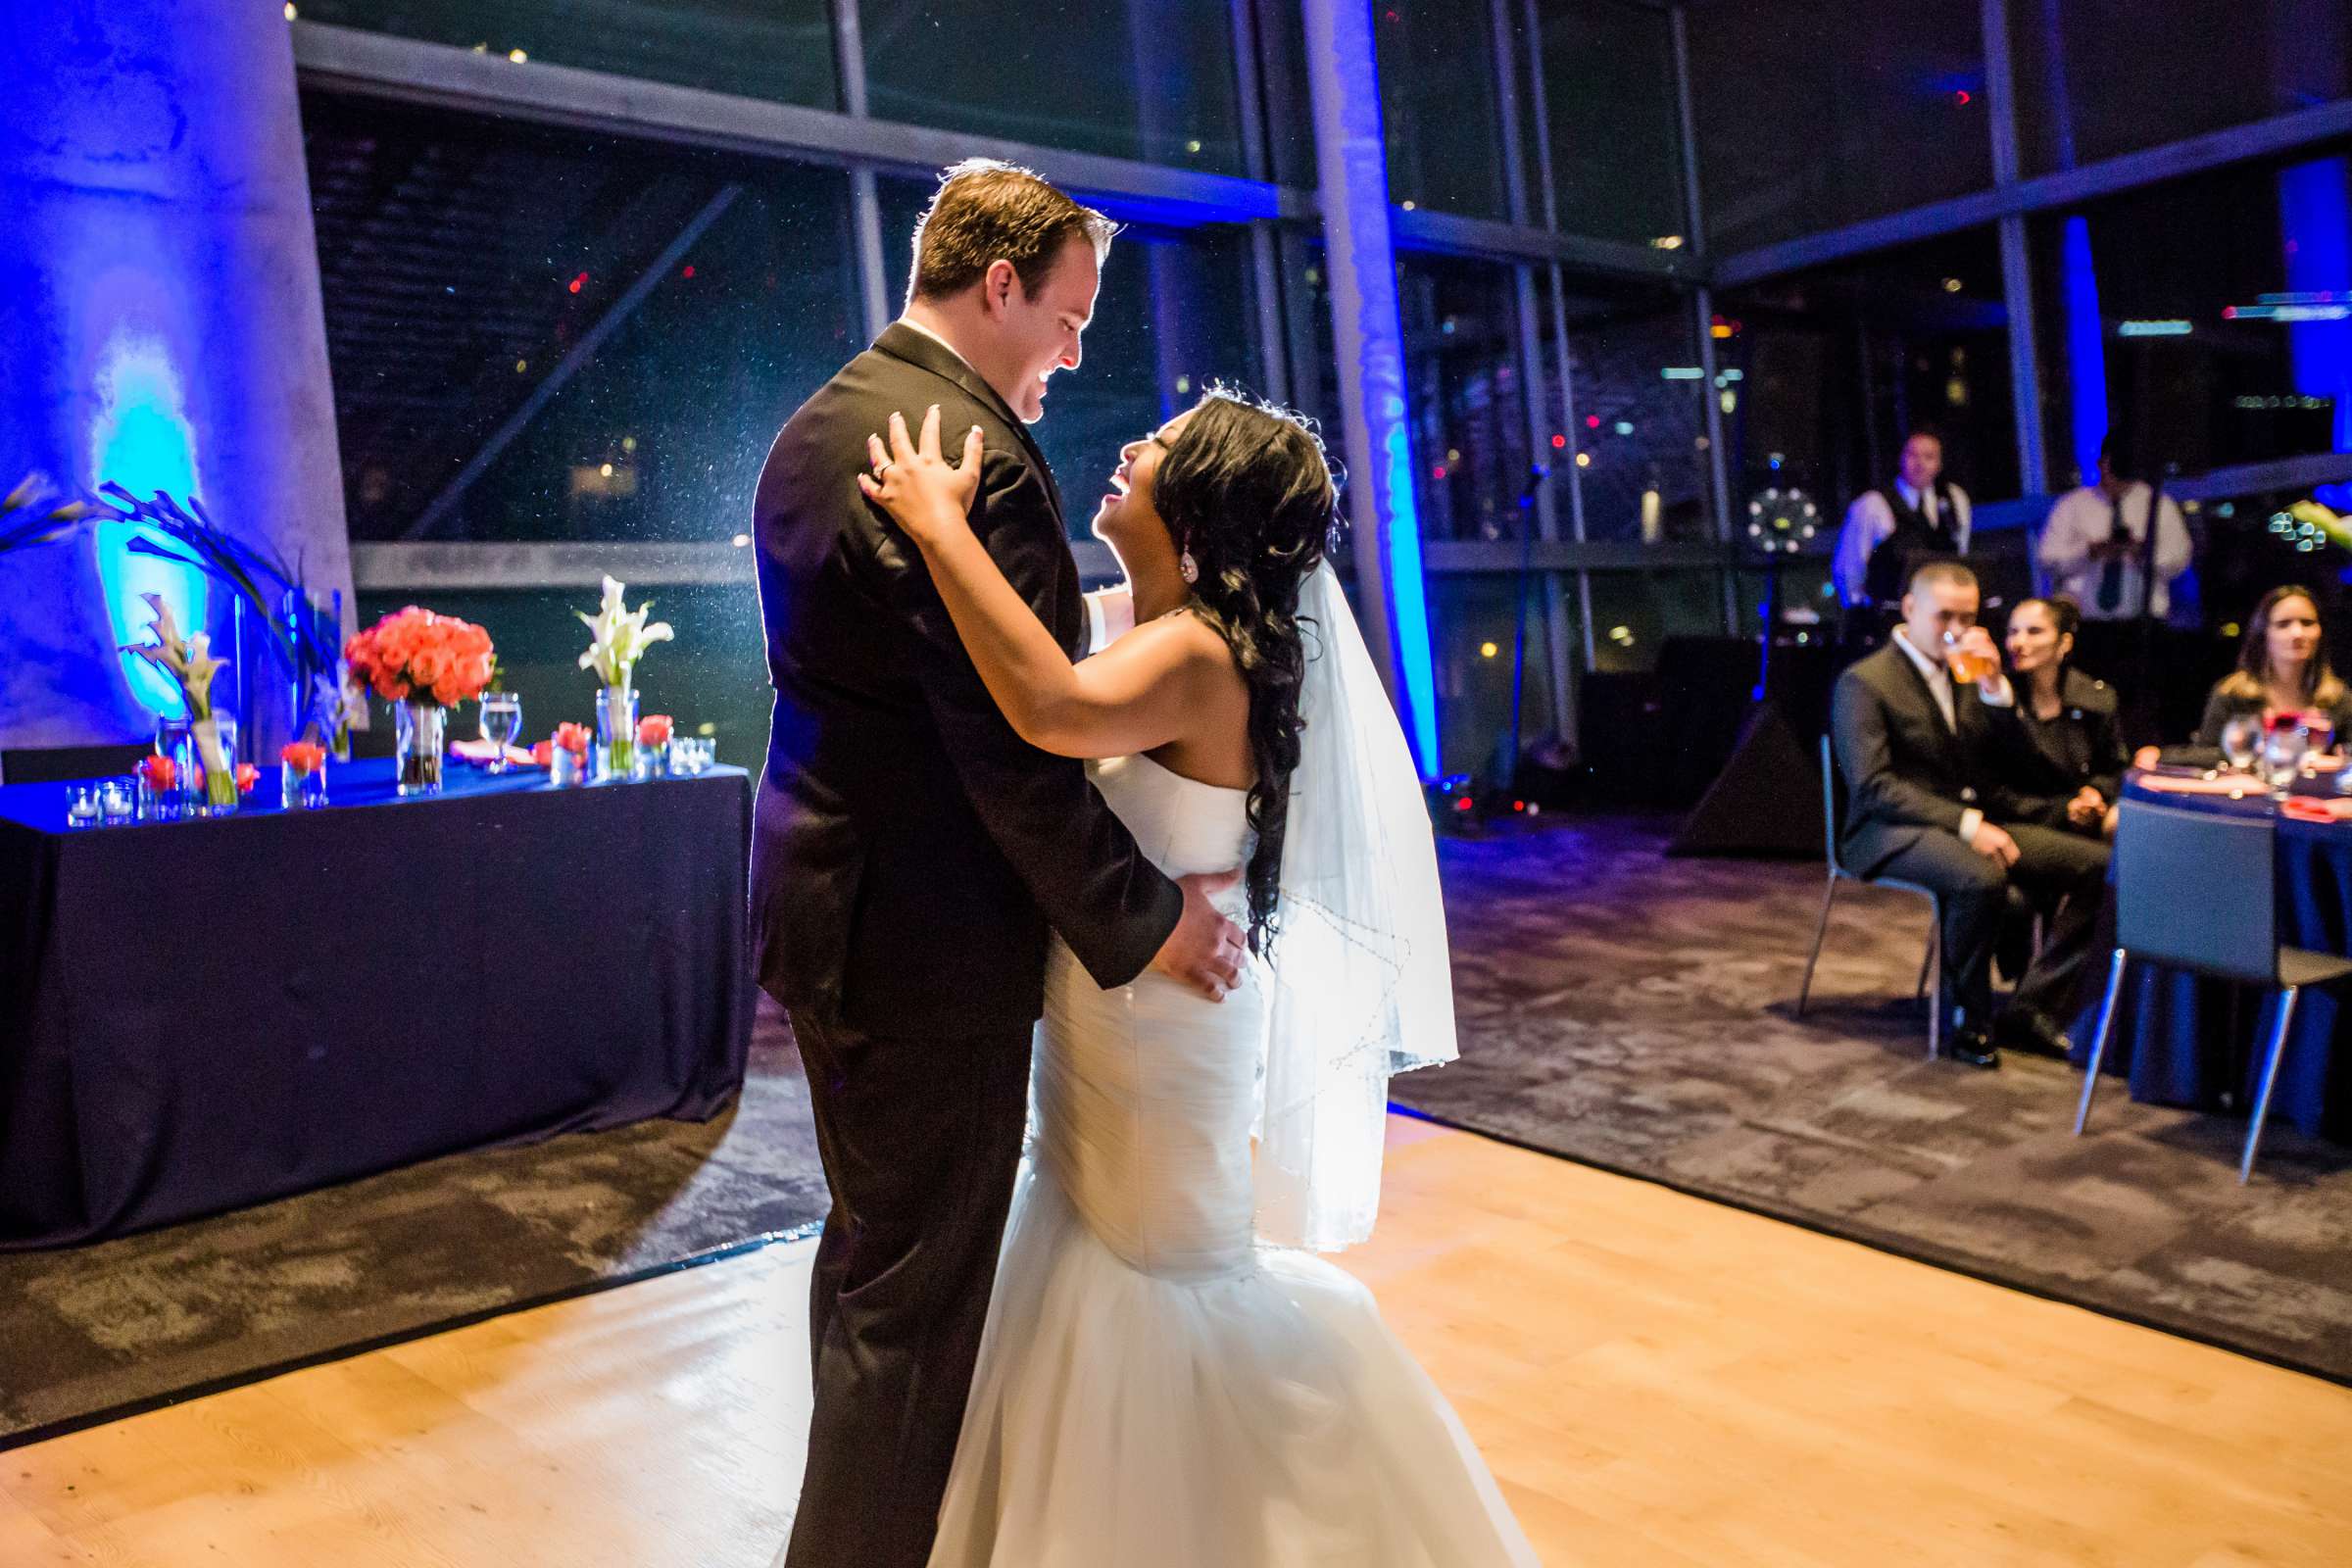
302	774
652	745
568	760
426	665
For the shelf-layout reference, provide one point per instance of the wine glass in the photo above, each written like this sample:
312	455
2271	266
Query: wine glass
502	721
2241	742
2283	757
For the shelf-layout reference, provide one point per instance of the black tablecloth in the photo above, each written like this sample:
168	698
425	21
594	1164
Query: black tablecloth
2185	1041
203	1014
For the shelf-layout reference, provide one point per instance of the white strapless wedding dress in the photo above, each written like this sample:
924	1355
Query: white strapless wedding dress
1154	1388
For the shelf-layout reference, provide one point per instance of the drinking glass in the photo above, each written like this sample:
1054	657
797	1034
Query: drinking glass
2283	757
81	805
118	799
502	721
1967	666
2241	742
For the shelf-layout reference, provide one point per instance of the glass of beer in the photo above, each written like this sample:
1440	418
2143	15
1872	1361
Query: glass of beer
1968	666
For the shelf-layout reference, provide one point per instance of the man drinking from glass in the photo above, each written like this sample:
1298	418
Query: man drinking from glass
1928	743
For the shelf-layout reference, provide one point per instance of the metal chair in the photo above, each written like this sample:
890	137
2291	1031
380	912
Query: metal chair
2197	890
1930	967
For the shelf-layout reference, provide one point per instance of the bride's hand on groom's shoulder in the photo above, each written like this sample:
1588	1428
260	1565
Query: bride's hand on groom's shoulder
923	493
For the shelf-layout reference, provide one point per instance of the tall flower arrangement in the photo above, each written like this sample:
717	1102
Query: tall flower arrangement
190	663
617	638
424	664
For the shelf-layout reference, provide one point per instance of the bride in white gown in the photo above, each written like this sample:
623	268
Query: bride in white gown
1167	1379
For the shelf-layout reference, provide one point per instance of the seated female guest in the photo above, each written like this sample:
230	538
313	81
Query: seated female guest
2281	667
2072	720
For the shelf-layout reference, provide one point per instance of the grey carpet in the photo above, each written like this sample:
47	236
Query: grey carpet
1636	1012
106	1329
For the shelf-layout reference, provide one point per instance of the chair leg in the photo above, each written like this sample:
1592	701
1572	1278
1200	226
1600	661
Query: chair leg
1927	960
1931	980
1821	929
2270	1081
2098	1041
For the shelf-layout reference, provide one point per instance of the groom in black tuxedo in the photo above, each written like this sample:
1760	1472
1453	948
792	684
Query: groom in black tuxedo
909	852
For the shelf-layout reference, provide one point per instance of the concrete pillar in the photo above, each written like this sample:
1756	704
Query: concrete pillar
1353	183
161	316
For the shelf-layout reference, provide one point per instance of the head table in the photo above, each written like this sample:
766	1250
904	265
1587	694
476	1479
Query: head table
201	1014
2185	1041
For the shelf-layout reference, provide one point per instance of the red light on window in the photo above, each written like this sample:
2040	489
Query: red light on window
1462	805
579	282
1591	422
1438	473
1964	97
689	272
2228	313
1558	441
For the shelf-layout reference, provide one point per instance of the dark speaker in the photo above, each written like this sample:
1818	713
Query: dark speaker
1766	800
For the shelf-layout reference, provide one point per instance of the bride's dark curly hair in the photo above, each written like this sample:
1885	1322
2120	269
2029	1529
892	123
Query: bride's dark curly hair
1246	488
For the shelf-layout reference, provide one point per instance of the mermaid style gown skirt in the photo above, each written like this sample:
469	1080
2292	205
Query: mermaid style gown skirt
1155	1389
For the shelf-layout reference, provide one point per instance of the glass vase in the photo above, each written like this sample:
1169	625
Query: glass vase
175	738
419	737
616	733
214	787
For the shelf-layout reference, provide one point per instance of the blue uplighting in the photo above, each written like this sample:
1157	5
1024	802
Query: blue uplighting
141	441
2315	221
2086	346
1408	602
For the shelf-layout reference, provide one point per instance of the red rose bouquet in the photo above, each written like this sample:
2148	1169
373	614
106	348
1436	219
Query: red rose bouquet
416	655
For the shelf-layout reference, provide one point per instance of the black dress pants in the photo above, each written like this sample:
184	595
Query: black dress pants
920	1140
2066	872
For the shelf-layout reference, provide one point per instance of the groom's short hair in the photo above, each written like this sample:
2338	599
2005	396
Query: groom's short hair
986	212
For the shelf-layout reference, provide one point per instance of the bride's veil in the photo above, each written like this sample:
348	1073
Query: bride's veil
1361	988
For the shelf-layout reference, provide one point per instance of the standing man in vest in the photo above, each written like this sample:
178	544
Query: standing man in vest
1892	531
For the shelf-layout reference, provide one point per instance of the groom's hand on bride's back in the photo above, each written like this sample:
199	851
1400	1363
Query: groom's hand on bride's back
1206	951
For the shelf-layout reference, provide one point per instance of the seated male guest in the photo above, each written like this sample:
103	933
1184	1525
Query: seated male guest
1929	765
2075	722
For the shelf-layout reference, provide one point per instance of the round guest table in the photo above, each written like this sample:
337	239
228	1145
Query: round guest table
2185	1041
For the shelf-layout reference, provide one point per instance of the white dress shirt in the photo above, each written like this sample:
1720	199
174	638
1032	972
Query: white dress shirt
1868	523
2085	518
1939	687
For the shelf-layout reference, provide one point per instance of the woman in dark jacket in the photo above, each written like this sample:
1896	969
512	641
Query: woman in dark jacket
2073	719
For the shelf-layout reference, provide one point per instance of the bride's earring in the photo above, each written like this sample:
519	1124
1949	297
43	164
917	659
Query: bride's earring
1189	567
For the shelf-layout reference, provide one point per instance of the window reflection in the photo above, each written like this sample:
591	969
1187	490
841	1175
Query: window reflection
1437	107
1642	464
1814	116
1148	80
1471	457
1473	637
2094	80
649	315
1614	130
781	50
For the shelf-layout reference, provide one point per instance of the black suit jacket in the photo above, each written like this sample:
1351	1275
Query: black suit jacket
908	849
1908	773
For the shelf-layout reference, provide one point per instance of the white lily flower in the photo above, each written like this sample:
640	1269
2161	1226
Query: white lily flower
618	636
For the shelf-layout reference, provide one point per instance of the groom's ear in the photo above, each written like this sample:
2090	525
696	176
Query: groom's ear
1001	287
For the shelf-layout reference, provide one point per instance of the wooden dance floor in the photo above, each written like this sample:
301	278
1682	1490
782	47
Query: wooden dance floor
1658	1381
